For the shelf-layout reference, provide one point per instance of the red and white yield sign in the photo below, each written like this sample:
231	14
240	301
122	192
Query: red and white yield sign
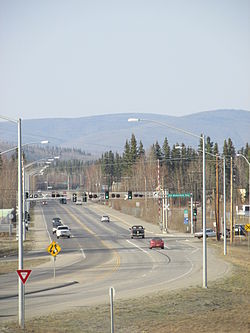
24	274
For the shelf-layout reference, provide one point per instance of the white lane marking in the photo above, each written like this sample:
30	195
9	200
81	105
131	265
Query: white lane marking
83	254
138	247
181	276
195	251
46	225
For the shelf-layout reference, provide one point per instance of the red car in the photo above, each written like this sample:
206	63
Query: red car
156	242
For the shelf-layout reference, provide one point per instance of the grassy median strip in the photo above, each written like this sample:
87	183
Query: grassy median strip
223	307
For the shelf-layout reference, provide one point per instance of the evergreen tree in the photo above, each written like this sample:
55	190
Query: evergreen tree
133	149
141	151
127	163
225	148
117	167
216	149
166	151
209	145
157	151
230	149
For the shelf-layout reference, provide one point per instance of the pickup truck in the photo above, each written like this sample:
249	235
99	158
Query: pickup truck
63	231
137	231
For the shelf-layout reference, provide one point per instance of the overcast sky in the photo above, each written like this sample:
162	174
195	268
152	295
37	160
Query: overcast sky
73	58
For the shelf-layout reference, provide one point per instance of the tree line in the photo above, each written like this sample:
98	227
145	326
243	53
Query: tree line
177	169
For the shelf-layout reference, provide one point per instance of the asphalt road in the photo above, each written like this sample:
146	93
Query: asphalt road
98	256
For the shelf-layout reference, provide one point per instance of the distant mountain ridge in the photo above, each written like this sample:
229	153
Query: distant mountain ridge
109	132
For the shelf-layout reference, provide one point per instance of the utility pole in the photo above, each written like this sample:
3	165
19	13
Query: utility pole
224	198
231	201
192	215
217	201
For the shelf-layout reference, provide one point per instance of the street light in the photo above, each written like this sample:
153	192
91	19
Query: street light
224	201
241	155
20	224
25	144
202	137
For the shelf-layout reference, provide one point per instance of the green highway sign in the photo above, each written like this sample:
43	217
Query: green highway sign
179	195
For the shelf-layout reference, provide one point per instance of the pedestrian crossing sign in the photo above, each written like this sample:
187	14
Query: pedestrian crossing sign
54	249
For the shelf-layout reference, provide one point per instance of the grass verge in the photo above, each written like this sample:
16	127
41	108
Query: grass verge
9	248
223	307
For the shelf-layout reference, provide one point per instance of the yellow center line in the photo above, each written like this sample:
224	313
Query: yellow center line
117	264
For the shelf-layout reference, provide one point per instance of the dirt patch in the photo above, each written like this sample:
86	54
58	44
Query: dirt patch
220	308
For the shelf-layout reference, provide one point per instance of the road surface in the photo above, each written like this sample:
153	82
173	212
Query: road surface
98	256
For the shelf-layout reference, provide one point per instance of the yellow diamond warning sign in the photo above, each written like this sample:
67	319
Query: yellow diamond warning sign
54	249
247	227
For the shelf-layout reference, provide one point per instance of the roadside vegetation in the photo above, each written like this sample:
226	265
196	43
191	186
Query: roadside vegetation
222	307
9	252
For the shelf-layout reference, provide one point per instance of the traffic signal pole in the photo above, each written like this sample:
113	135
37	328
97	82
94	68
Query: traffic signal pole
192	217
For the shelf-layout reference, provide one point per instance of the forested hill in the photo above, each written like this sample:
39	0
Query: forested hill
104	132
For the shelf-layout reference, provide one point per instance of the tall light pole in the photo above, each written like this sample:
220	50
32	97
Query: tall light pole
202	137
224	201
23	178
20	224
241	155
26	144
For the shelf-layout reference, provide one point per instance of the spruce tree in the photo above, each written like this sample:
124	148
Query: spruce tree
133	149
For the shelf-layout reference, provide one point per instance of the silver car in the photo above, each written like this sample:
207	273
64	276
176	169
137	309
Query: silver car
209	233
105	218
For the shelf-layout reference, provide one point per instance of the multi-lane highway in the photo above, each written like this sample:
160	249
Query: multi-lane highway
98	256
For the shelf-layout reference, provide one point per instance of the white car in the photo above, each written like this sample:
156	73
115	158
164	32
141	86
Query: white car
209	233
63	231
79	202
105	218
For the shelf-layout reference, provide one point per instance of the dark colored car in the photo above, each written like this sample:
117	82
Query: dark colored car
63	201
156	242
56	222
137	231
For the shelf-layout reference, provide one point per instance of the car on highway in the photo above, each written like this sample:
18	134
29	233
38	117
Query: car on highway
78	202
56	219
137	231
56	222
209	233
63	231
105	218
156	242
56	225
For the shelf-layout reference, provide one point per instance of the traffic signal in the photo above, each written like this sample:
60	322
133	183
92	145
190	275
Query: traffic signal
107	195
26	195
84	197
129	195
195	214
74	197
